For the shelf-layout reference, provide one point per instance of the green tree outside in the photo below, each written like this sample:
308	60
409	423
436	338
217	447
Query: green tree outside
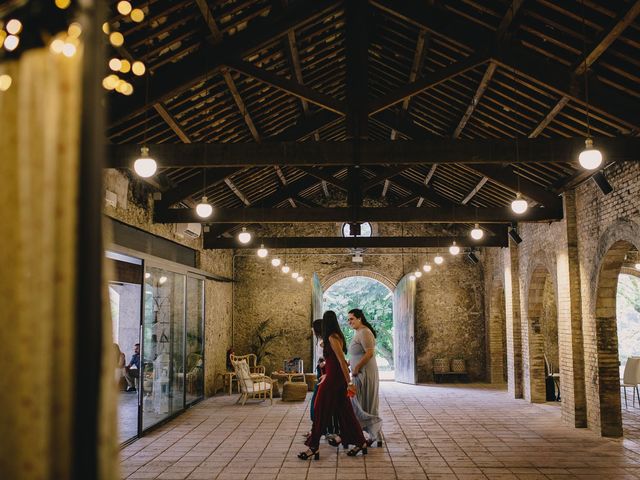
375	300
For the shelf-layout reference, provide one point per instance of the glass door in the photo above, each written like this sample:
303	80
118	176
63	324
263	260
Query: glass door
195	340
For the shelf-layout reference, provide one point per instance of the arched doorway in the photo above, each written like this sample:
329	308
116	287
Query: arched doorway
376	301
619	259
542	312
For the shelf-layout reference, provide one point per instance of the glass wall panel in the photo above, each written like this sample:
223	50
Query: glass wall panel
162	346
195	340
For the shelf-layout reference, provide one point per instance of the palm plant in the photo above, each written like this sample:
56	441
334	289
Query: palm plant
262	339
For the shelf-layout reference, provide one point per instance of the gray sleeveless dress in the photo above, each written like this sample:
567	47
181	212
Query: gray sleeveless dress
367	387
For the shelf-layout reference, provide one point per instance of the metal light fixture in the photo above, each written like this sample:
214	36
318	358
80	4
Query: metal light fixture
285	268
417	273
472	257
204	208
295	275
300	279
477	233
438	260
454	249
519	205
275	262
426	268
244	236
262	252
590	158
145	166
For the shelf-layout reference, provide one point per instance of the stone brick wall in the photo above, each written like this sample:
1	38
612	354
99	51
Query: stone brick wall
449	305
605	222
134	207
494	313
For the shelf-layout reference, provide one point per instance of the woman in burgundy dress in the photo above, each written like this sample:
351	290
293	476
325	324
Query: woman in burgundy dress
331	400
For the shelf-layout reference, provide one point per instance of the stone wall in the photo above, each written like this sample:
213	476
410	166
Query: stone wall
449	304
134	207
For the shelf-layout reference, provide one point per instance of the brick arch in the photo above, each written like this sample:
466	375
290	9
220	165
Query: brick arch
496	334
353	272
534	364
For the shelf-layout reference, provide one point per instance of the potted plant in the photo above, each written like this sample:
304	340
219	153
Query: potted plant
262	339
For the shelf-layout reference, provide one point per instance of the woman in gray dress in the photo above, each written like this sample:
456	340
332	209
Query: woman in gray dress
362	357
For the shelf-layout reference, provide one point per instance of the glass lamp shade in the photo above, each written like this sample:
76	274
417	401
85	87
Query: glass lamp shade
285	268
426	268
262	252
519	205
162	280
295	275
204	209
300	279
412	277
438	260
145	166
417	273
590	158
275	262
454	249
244	236
477	233
637	266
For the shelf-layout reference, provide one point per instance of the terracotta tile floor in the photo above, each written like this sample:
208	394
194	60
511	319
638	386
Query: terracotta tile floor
432	432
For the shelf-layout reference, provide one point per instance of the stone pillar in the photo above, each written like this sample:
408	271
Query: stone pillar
570	339
512	313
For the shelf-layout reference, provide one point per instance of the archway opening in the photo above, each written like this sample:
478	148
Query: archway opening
497	338
618	329
544	352
376	301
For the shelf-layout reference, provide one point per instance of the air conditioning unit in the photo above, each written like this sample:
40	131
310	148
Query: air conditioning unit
192	230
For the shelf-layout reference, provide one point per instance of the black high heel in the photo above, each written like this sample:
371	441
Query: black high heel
333	442
306	456
355	450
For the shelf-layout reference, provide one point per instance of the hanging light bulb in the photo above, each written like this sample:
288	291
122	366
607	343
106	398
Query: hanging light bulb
590	158
519	205
244	236
426	268
204	208
285	268
438	260
417	273
295	275
454	249
477	233
145	166
275	262
300	279
637	266
262	252
412	277
162	280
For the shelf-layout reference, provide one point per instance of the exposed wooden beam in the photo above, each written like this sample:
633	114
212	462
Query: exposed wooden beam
382	176
475	190
168	118
175	78
294	88
231	85
355	242
482	86
243	198
325	176
429	176
413	152
609	36
280	174
210	21
325	189
195	184
510	20
307	126
356	18
420	202
294	57
549	117
385	188
354	192
454	214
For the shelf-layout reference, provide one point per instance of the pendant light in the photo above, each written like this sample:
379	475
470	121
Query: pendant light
262	252
438	260
276	262
519	205
417	273
477	233
204	208
426	267
590	158
244	236
145	166
412	277
454	249
300	279
285	268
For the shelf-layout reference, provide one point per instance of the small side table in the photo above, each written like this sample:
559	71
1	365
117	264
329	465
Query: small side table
227	378
287	377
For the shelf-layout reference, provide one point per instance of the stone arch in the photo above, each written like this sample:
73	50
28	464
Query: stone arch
496	335
540	281
355	272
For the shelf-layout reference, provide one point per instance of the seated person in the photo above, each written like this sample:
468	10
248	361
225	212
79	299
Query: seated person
130	374
120	362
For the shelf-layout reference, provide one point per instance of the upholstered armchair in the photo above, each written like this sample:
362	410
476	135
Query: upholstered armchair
252	385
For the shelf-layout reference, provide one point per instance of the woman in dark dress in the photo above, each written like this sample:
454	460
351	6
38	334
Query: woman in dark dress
331	400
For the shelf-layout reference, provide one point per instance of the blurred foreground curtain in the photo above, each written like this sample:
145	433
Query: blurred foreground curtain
40	174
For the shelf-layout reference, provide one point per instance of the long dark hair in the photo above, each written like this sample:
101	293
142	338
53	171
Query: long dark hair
329	327
359	314
317	327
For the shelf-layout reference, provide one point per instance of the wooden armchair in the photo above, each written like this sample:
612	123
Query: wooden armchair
251	360
251	385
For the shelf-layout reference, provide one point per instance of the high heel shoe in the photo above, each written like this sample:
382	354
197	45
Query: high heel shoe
355	450
333	442
306	455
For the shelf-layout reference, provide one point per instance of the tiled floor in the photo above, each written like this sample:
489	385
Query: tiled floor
434	432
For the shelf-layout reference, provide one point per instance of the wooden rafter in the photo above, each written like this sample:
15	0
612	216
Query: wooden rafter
195	184
510	20
243	198
172	122
482	86
475	190
356	14
325	176
548	118
231	85
429	175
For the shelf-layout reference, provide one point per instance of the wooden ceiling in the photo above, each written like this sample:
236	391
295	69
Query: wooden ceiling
263	71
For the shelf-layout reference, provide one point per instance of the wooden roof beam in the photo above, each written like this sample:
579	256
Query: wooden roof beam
475	190
482	86
306	126
510	21
231	85
429	175
549	117
195	184
243	198
454	214
357	53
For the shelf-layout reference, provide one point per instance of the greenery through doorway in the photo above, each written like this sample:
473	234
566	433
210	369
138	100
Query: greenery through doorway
376	301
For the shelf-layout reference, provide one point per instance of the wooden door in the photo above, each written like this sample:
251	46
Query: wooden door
404	301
